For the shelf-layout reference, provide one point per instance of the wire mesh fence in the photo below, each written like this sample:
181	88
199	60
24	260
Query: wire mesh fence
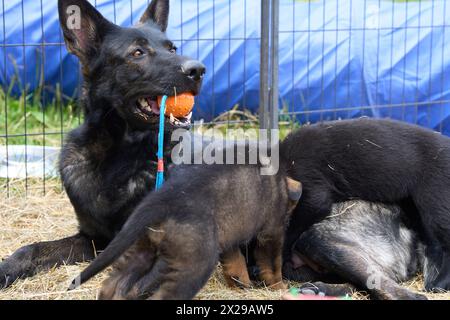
336	60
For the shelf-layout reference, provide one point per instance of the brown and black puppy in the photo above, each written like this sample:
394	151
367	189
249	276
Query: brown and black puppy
202	213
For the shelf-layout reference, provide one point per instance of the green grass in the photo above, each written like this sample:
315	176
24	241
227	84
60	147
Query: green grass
42	125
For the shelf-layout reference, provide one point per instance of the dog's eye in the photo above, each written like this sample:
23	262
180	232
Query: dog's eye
138	53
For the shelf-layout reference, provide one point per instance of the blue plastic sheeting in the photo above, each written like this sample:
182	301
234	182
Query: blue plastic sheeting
338	58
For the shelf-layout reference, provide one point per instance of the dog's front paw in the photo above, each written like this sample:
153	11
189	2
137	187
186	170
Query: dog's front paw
237	281
6	277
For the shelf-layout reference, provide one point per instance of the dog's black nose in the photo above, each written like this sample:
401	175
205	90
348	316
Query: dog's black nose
193	69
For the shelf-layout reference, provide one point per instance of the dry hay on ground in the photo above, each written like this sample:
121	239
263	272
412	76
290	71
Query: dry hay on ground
48	217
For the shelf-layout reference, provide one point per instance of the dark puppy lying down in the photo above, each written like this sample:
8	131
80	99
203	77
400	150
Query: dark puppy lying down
369	245
378	161
172	242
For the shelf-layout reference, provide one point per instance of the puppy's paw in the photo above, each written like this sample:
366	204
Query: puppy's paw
237	281
278	286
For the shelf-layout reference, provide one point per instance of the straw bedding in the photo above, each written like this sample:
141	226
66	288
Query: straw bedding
49	216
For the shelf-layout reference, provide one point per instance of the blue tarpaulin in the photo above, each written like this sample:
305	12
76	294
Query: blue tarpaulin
338	58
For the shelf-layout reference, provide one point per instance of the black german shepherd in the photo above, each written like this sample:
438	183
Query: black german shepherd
377	161
108	164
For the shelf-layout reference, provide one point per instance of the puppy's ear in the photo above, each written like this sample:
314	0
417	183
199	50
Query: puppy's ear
294	189
83	27
158	13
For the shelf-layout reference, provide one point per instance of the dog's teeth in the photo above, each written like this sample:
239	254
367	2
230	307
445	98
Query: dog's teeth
143	102
172	118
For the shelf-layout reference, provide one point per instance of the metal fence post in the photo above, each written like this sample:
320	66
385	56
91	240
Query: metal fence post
273	106
264	65
268	96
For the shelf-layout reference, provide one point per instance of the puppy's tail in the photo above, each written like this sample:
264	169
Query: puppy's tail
142	218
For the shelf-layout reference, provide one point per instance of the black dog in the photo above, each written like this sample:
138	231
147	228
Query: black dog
377	161
108	164
200	213
368	245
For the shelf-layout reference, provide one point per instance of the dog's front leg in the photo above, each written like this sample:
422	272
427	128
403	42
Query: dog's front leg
33	258
235	269
268	259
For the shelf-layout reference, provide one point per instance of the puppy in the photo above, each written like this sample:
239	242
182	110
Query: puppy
174	239
377	161
369	245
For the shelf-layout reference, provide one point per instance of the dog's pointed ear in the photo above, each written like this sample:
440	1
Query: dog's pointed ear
294	189
83	27
158	13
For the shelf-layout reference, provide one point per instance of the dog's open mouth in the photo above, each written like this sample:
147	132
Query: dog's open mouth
148	107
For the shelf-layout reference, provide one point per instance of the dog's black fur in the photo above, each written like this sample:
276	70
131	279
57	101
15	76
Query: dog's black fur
378	161
360	245
108	164
201	212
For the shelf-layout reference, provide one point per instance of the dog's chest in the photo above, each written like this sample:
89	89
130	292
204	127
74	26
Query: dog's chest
108	183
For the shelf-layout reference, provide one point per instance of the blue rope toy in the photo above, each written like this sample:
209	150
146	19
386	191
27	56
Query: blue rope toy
160	154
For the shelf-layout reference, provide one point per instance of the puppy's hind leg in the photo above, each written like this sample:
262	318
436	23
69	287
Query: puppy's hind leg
135	281
128	270
169	282
179	271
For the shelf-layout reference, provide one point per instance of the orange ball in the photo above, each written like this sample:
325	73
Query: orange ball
180	105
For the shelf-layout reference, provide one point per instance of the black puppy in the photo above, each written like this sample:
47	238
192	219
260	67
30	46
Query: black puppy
200	213
378	161
371	246
108	164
